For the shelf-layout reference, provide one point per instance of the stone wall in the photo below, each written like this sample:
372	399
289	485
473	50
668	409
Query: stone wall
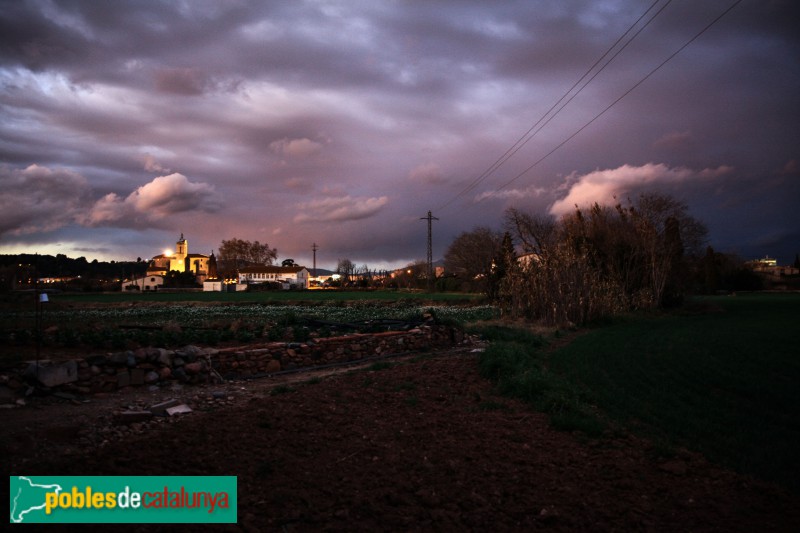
192	364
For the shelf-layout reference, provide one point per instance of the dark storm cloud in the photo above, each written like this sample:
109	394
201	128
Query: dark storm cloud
290	121
38	199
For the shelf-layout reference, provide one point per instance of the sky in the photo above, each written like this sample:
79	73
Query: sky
342	123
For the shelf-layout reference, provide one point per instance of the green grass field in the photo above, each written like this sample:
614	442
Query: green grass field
723	380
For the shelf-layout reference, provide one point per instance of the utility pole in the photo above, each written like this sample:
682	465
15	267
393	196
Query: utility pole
314	249
430	218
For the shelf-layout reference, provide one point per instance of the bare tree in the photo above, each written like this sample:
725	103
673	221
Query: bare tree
236	253
363	276
533	232
471	257
345	268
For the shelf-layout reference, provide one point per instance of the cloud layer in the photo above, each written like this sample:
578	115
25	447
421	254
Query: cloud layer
339	209
163	197
608	187
293	122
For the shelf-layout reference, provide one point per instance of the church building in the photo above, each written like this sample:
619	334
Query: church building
202	266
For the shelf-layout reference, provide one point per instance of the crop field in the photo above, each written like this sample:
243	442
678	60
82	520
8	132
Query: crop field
310	296
116	322
721	377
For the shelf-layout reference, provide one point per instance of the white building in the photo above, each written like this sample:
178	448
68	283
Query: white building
146	283
288	276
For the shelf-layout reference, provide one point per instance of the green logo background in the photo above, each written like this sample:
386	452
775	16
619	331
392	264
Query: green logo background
27	499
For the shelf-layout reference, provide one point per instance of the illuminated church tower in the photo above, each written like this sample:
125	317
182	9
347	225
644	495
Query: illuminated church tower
178	260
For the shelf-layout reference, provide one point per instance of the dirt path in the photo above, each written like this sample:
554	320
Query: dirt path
421	445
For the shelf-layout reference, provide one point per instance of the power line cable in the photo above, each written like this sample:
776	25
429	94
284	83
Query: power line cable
626	93
527	136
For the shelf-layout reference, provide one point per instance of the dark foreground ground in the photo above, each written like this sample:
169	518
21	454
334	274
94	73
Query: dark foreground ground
420	445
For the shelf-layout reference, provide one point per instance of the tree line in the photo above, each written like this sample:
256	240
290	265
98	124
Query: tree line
23	270
592	263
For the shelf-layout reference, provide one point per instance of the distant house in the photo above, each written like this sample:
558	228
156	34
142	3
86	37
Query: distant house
145	283
525	260
769	266
288	276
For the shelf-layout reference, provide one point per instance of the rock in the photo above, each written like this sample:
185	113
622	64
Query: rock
137	376
273	366
179	374
164	373
179	409
118	358
97	360
141	354
165	358
123	379
151	377
130	417
160	409
190	353
193	368
178	361
53	375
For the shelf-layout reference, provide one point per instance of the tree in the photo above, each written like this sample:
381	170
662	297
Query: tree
237	253
501	266
363	276
598	261
175	279
711	273
535	233
412	276
471	257
345	268
287	263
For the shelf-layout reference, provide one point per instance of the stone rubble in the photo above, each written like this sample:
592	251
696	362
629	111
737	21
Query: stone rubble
160	368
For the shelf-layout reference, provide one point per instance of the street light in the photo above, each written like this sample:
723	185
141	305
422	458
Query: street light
41	298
